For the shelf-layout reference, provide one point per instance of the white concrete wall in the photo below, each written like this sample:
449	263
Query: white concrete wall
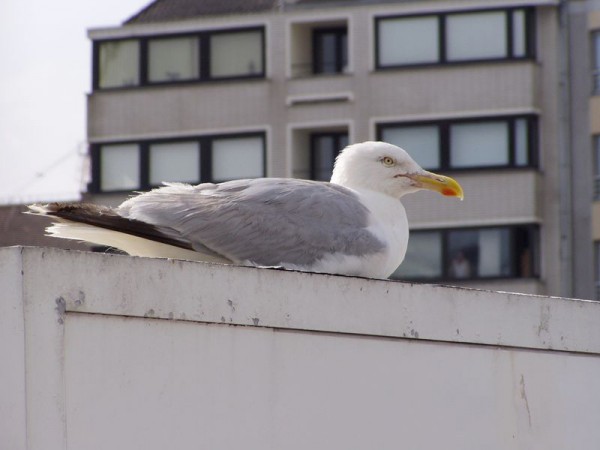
114	352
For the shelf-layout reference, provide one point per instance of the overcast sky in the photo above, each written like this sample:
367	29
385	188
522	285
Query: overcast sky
45	73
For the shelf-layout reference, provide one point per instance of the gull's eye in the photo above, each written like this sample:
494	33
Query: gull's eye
388	161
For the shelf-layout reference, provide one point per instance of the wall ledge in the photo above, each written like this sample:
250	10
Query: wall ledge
84	282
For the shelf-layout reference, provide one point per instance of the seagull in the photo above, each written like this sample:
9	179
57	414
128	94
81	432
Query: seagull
353	225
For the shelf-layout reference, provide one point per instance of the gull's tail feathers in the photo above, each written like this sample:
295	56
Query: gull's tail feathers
102	225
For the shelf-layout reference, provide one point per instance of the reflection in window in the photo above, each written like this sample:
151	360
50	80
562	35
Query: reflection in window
236	54
175	161
479	253
324	149
119	167
476	36
421	141
330	50
408	41
495	252
119	64
173	59
234	158
423	257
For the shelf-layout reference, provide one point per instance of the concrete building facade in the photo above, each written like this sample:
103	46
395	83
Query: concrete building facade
488	91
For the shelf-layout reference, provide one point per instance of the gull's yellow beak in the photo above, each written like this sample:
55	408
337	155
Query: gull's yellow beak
439	183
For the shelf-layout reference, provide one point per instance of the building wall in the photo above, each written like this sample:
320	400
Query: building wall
592	122
174	354
285	106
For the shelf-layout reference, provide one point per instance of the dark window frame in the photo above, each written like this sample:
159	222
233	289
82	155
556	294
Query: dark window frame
530	31
533	231
340	32
595	61
596	162
444	126
203	60
205	147
337	137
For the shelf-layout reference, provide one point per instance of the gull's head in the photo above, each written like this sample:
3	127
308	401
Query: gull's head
386	168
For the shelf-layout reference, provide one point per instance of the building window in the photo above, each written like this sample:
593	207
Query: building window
174	161
479	144
203	56
324	148
330	47
174	59
471	253
596	62
476	36
240	157
503	142
596	159
318	47
117	64
413	40
597	268
454	37
119	167
236	54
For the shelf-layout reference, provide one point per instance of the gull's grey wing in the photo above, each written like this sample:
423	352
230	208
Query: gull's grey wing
265	221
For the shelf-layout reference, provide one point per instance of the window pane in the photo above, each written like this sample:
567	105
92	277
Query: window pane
423	256
119	64
173	59
521	142
421	142
408	41
325	149
236	54
479	253
596	61
494	253
476	36
330	51
344	51
596	45
479	144
526	254
344	141
463	251
597	277
174	162
119	167
518	30
237	158
596	167
326	53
